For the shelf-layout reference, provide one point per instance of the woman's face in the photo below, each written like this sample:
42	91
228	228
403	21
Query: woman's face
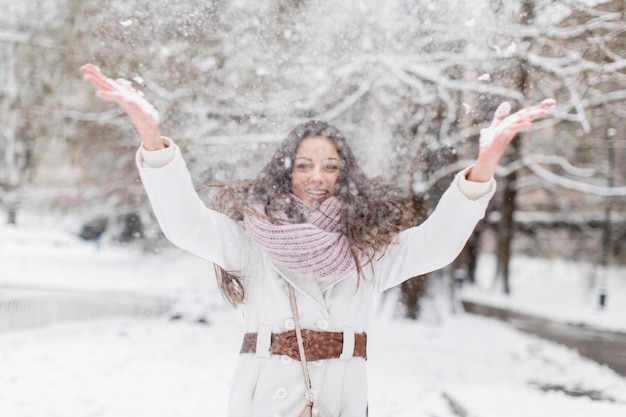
315	170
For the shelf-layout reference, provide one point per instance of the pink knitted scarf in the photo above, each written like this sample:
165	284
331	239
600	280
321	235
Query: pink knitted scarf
316	247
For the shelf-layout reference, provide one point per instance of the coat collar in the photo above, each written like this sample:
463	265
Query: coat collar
309	286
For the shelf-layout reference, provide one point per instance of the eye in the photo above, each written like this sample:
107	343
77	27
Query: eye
302	166
331	167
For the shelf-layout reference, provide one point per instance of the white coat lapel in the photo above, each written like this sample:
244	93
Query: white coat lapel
305	284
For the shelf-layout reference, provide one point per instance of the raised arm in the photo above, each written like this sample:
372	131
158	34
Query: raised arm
438	241
144	116
495	138
183	217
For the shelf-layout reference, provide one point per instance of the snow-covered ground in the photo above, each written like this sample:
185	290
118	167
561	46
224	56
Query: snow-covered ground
134	366
563	291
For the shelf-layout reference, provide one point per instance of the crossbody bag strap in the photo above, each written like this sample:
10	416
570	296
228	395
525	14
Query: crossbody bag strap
305	368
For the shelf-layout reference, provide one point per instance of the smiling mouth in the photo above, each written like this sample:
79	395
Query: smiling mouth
317	193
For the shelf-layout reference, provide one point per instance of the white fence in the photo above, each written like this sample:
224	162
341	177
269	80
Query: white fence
25	309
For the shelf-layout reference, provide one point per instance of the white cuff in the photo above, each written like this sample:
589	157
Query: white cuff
160	158
471	189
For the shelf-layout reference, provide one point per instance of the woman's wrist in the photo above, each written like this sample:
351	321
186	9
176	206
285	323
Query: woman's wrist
480	172
151	147
473	190
153	141
157	158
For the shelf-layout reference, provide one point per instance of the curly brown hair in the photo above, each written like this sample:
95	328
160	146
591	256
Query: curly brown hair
372	214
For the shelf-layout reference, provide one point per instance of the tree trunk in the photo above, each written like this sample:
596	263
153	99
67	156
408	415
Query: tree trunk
506	229
412	291
468	259
9	107
12	216
508	207
608	208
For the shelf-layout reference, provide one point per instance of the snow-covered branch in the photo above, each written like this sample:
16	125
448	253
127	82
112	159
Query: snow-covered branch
533	163
574	185
14	37
604	98
608	22
556	160
348	101
103	116
427	73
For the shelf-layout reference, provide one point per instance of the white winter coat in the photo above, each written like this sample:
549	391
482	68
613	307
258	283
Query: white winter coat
267	385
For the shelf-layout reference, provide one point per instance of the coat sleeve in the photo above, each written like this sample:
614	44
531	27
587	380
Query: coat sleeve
186	221
436	242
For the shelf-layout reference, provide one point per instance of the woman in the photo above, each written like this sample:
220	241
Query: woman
311	219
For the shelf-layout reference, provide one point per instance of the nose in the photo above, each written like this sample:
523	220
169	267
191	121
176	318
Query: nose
316	175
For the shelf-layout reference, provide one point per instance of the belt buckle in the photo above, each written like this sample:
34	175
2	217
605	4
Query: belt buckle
287	344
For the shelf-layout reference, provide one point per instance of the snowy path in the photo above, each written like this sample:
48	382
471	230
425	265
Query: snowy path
602	346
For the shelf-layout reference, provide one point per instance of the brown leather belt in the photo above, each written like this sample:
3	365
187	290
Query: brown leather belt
317	345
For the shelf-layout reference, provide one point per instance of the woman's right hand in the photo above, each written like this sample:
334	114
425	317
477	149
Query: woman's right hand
144	116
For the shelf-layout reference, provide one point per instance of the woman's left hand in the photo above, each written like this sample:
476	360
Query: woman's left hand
495	138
